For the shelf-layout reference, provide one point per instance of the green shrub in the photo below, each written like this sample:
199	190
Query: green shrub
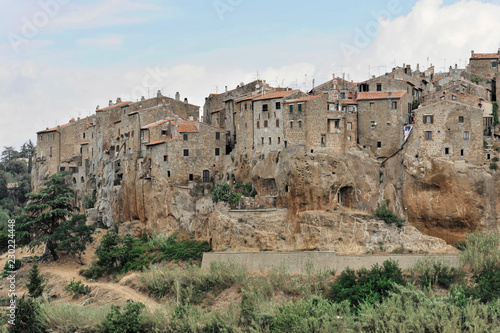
482	249
11	265
35	282
316	314
495	159
223	192
441	275
183	250
127	321
493	166
366	286
28	316
487	284
94	272
77	288
382	212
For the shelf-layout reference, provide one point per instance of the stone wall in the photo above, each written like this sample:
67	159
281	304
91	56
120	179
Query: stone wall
304	262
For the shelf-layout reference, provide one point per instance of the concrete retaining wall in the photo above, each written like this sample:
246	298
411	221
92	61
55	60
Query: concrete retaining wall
296	262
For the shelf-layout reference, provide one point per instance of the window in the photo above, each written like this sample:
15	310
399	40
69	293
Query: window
165	158
186	152
291	110
349	138
447	151
300	107
379	144
84	135
428	119
349	126
494	64
460	119
41	136
206	176
265	123
53	136
258	124
291	124
217	151
279	140
300	123
278	105
50	155
168	173
372	106
453	97
342	95
428	135
264	107
185	137
217	135
373	124
461	152
394	105
379	86
337	123
466	135
191	177
270	141
163	132
344	108
277	123
286	144
262	140
351	108
323	140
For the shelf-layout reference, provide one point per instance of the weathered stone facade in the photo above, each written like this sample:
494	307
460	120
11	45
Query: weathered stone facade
485	64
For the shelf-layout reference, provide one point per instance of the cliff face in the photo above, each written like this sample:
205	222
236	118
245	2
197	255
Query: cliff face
319	201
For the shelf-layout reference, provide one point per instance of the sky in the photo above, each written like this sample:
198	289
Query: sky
62	58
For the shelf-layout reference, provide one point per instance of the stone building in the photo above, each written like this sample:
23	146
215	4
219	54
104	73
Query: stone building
449	129
268	111
381	117
182	151
485	64
336	89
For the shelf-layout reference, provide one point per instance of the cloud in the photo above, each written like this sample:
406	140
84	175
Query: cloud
444	33
107	42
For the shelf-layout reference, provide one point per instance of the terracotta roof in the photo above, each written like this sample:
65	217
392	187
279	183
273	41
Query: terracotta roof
159	122
485	56
380	95
349	101
218	110
245	98
303	99
54	128
113	106
187	126
275	94
161	141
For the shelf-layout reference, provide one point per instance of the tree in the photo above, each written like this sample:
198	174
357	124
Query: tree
35	282
76	235
9	153
28	316
47	220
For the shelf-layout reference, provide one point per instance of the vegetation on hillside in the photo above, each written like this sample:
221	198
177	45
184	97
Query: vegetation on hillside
431	297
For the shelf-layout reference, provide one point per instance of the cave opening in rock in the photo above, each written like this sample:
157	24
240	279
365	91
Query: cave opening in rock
346	197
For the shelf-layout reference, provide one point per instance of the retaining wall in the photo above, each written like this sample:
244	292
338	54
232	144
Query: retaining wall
297	262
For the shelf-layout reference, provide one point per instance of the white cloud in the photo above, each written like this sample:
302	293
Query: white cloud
107	42
431	30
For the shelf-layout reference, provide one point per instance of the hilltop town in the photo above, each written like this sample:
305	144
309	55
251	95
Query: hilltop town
318	162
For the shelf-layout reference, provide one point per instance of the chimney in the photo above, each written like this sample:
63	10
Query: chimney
142	98
158	94
185	100
389	94
118	100
176	123
456	66
226	88
177	96
110	102
418	67
472	52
